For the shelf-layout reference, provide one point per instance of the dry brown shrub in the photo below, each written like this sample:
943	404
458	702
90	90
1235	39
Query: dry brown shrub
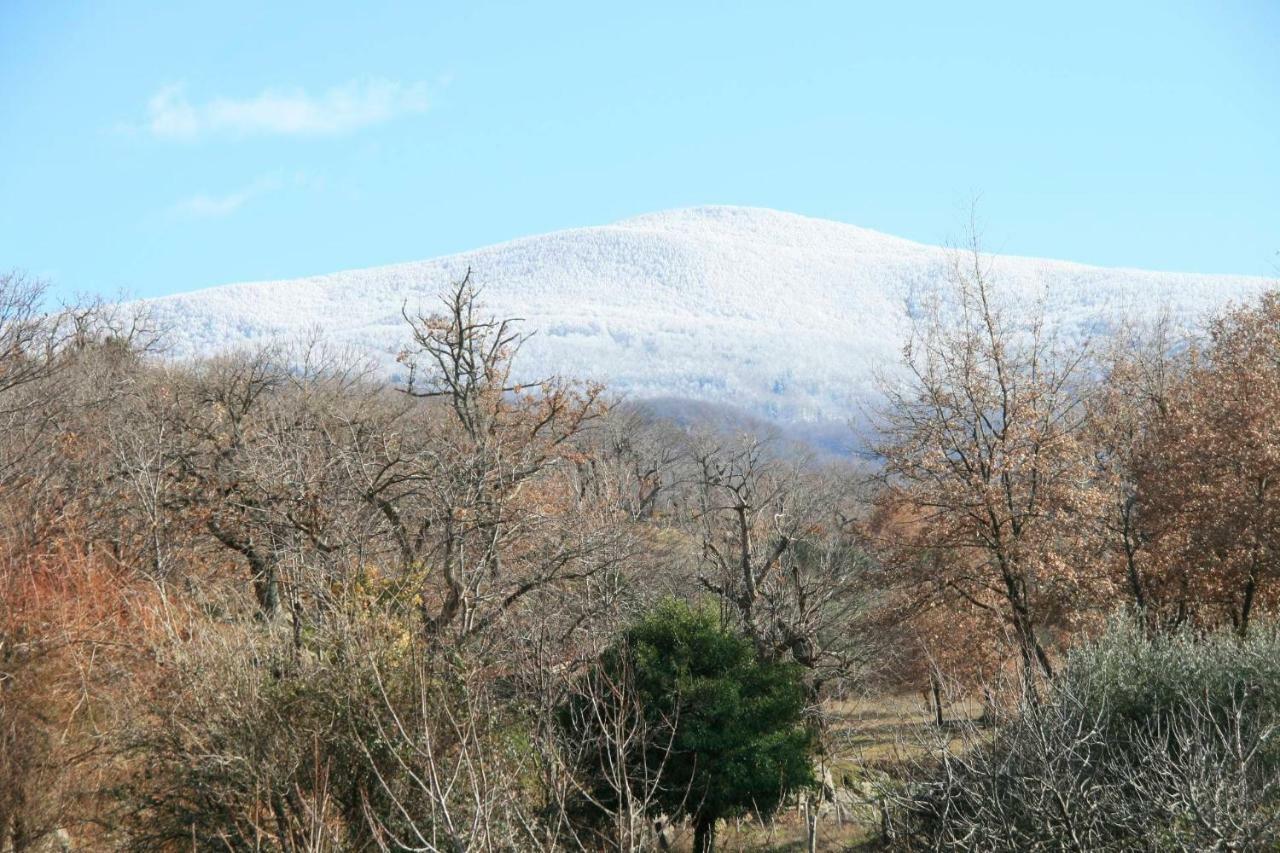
74	630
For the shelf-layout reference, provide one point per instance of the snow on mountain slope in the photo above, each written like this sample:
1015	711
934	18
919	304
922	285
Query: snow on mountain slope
786	317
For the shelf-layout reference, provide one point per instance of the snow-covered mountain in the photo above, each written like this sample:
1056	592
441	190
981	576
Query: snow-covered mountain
785	317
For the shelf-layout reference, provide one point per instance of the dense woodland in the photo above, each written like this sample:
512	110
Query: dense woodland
272	601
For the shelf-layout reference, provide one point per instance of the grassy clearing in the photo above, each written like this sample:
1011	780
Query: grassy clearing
870	738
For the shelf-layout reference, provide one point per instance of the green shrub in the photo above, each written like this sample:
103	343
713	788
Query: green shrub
1142	743
1132	678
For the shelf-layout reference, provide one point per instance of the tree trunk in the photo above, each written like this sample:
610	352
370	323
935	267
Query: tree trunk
1131	546
704	834
811	825
266	586
1033	654
266	589
1246	606
935	686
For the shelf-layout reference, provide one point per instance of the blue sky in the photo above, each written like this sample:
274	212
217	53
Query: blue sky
151	148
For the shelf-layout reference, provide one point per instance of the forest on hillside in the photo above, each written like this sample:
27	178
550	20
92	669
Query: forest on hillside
272	601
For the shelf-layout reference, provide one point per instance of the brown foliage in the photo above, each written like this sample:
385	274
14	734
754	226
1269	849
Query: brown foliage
1209	476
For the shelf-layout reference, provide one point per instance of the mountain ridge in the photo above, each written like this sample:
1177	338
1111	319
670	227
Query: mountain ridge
789	318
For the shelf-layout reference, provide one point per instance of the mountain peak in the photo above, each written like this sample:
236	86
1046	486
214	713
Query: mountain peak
775	226
725	214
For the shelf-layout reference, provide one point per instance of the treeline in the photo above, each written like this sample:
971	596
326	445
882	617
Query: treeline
269	600
1035	489
272	601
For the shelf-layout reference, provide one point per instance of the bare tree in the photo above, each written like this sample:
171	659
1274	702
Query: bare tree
775	546
603	757
984	477
491	499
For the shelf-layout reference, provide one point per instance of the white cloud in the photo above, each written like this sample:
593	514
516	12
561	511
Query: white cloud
342	109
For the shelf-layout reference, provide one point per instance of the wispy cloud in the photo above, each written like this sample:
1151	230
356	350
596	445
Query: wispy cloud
342	109
202	206
215	205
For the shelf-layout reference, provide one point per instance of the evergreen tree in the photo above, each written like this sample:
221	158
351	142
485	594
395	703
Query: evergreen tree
728	730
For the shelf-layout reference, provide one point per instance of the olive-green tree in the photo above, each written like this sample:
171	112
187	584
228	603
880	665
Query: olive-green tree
730	737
